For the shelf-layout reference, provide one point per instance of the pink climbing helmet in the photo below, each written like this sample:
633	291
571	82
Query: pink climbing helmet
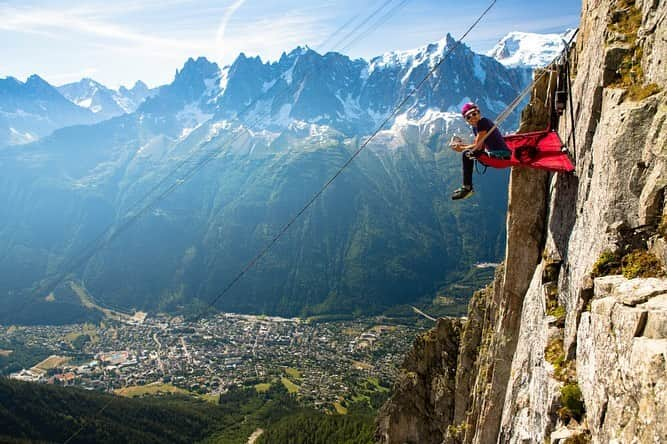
467	107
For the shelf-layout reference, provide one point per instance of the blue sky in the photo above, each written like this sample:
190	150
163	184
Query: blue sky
121	41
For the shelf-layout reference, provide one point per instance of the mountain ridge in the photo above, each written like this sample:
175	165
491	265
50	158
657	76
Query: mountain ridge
104	102
34	108
384	234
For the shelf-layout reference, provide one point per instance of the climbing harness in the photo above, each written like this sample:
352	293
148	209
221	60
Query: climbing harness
483	172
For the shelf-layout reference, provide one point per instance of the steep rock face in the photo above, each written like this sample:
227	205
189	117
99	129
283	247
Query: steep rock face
606	206
625	331
423	405
563	354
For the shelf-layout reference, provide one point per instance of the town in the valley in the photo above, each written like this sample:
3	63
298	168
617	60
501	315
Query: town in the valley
323	363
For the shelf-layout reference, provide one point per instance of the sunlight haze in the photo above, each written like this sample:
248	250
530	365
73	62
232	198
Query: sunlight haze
119	43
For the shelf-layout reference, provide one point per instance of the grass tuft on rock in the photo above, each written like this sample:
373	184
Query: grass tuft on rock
608	263
625	20
641	264
640	92
559	313
564	371
456	433
554	353
572	403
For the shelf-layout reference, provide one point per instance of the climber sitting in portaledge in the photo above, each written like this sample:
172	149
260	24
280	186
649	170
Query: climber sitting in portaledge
492	143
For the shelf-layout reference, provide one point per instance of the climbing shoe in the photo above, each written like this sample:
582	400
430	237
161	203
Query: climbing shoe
462	193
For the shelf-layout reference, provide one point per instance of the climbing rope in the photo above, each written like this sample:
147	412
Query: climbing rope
389	14
569	93
515	103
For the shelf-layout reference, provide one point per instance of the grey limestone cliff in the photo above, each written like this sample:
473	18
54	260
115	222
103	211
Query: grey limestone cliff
569	344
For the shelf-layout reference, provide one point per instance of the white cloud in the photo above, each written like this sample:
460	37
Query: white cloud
83	21
270	36
267	36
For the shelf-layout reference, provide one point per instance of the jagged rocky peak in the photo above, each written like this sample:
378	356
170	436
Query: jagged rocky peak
12	87
405	60
38	87
87	93
196	70
82	88
105	102
34	108
130	99
35	81
138	88
10	81
192	92
570	343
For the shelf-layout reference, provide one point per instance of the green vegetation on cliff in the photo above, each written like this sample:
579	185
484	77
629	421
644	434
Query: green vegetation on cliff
637	263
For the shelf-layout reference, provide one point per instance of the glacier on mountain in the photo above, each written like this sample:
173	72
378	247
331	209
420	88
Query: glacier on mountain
105	102
529	50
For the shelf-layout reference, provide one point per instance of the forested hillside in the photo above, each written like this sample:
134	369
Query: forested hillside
32	413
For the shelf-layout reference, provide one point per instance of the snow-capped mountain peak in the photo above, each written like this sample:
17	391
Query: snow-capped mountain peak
105	102
528	50
432	52
34	109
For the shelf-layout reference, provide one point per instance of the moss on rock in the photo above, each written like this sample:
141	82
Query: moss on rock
642	264
554	353
608	263
572	403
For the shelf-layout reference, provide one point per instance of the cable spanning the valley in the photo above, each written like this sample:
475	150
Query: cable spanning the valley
198	161
308	204
349	39
349	161
112	232
388	15
109	233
